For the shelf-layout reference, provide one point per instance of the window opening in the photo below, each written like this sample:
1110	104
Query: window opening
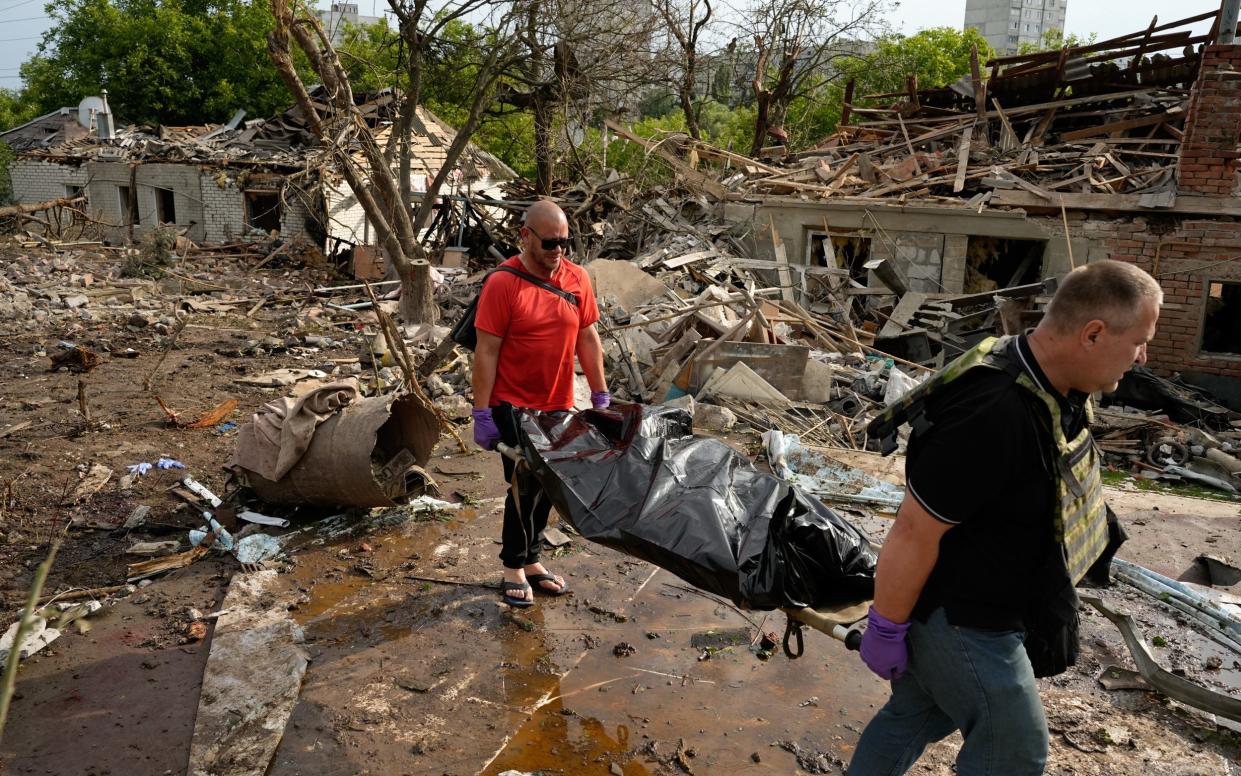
994	262
263	210
128	216
1221	326
165	206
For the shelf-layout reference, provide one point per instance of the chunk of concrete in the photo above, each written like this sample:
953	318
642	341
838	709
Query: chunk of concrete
742	382
624	282
816	386
455	407
251	682
710	417
685	402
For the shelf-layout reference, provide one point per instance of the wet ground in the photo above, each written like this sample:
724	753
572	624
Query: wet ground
417	668
633	673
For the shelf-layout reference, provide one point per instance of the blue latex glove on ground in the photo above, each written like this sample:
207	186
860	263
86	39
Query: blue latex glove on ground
486	435
883	647
600	400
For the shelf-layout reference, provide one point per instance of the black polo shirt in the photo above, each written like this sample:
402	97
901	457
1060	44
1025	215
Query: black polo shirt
986	467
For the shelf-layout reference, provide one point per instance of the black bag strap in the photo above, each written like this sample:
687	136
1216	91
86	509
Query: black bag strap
568	296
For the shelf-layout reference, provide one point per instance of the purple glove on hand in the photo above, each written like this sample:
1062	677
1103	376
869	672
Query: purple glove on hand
486	435
600	400
883	646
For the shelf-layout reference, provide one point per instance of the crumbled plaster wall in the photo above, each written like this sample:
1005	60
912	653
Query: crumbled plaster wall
207	202
920	255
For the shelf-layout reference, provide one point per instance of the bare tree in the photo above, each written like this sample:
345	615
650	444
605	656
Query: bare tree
354	151
579	57
685	23
795	45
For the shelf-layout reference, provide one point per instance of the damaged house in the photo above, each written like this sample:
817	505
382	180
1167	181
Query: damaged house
221	183
1124	149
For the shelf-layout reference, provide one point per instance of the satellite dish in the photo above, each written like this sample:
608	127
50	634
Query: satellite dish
87	106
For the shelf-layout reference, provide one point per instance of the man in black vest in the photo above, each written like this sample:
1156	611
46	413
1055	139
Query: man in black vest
955	589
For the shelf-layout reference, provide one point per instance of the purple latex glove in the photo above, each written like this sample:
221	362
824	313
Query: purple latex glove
600	400
883	646
486	435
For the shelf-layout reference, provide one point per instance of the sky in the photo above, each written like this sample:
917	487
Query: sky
22	22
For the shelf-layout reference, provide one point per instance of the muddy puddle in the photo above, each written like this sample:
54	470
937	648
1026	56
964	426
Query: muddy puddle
365	567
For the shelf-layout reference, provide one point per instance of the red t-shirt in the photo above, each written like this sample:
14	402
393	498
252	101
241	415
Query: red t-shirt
539	330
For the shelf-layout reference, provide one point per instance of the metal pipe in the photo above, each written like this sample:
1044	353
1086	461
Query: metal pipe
1169	684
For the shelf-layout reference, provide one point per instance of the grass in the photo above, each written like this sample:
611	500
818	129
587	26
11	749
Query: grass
1184	489
9	680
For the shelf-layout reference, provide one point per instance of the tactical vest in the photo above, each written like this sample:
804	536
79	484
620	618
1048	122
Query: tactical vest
1081	515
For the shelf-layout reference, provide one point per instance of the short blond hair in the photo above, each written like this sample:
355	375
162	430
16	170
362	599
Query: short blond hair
1110	291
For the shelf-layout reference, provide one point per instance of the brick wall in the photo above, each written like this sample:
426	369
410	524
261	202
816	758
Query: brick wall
346	218
1208	163
1184	255
224	210
35	180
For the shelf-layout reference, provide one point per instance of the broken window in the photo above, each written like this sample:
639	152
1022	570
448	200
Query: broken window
73	191
1221	326
165	206
994	262
851	252
263	210
129	213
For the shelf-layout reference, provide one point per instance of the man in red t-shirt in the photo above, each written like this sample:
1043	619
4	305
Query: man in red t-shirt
527	339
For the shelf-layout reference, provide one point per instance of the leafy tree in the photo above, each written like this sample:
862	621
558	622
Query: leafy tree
15	109
162	61
6	183
937	56
1054	40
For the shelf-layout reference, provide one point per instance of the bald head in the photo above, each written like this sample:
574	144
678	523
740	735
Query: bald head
545	217
544	238
1115	292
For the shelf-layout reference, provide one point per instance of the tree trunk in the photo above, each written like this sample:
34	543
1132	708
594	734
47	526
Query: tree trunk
417	301
544	165
687	95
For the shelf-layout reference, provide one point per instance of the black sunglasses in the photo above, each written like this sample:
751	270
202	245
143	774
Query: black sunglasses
552	243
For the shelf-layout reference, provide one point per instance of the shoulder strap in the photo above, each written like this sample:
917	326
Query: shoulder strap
568	296
912	407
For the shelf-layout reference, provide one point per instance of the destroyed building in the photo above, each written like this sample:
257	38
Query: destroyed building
218	183
1123	149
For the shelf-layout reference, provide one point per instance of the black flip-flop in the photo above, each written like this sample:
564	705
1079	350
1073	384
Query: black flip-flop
520	603
535	579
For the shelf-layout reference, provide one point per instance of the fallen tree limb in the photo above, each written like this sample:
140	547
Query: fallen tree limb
16	210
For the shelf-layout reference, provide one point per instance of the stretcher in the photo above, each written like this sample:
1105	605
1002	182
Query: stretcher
845	623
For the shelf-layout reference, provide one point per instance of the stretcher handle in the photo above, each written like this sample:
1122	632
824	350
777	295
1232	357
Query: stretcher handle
794	643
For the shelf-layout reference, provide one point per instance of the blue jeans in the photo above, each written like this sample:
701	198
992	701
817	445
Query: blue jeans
976	681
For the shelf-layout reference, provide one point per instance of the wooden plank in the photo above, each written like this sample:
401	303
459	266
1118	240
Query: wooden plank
1120	203
1037	191
844	112
963	159
980	96
782	263
1105	45
910	146
1008	138
1117	126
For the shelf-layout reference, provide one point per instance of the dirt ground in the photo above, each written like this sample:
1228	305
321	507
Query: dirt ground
415	665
